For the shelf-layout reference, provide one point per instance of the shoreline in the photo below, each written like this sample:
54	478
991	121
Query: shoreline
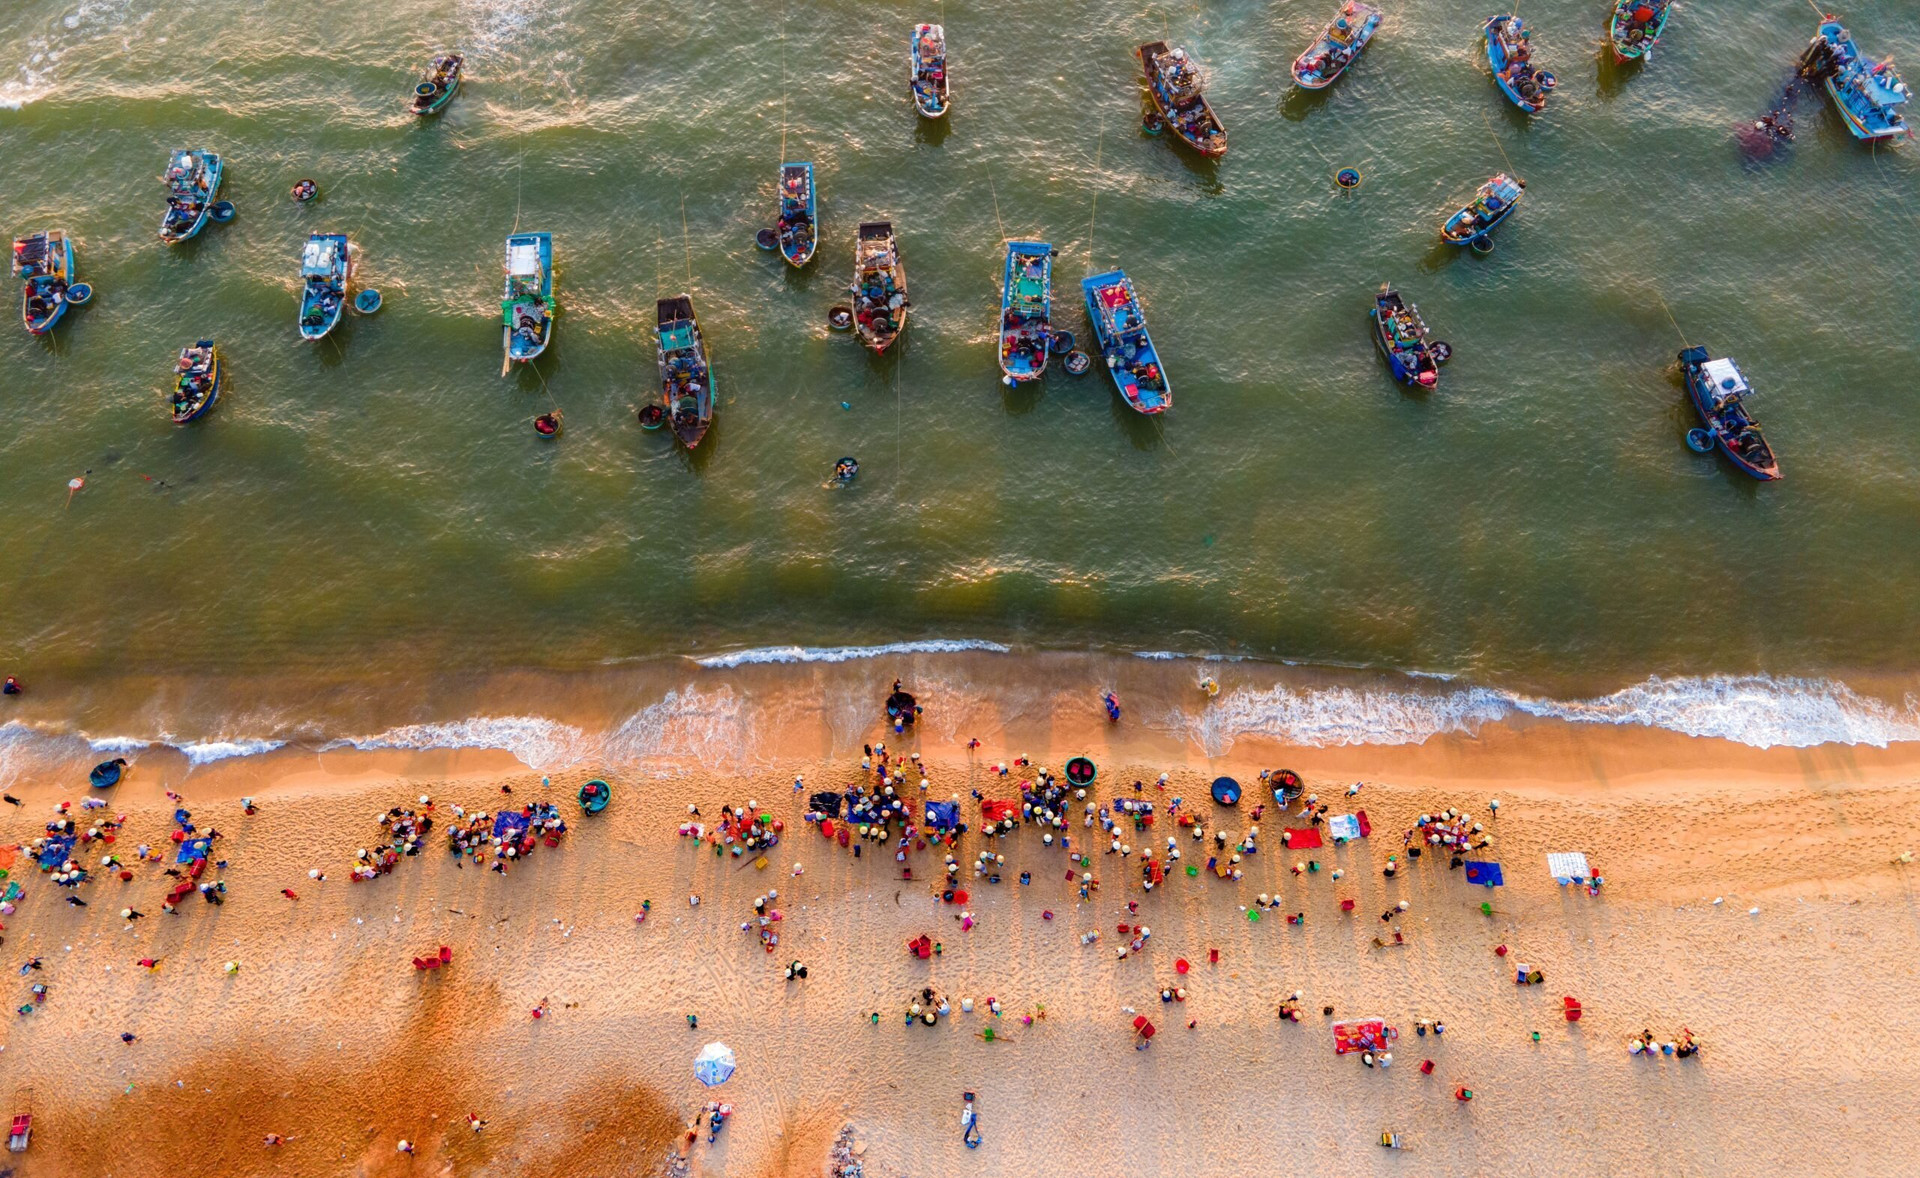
327	1035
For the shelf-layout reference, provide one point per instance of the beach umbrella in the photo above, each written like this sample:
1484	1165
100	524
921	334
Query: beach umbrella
714	1064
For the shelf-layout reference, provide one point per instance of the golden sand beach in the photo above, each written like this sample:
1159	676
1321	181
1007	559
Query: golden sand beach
327	1035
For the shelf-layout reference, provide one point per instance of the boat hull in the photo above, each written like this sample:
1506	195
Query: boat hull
1211	146
931	101
452	87
48	286
1700	392
213	394
796	247
1308	78
1624	50
214	169
1026	311
1405	367
877	251
1455	232
681	349
1125	350
524	305
324	311
1497	61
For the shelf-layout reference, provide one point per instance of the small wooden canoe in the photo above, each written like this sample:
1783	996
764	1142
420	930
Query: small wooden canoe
879	286
686	376
1176	89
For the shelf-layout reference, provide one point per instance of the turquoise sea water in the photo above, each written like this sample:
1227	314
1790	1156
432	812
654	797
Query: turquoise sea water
378	503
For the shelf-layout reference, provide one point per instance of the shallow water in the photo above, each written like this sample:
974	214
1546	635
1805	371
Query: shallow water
378	504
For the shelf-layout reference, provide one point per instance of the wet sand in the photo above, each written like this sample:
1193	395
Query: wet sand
328	1036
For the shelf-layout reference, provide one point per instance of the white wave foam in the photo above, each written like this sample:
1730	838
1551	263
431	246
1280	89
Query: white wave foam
206	752
36	76
710	728
843	654
118	744
1757	710
539	742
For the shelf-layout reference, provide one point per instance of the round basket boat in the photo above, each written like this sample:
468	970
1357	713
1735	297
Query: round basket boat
1060	343
1226	791
1699	441
1078	362
305	190
840	318
221	211
1151	123
1347	178
107	774
1481	245
1286	785
547	426
767	239
367	301
595	795
652	417
425	89
1442	351
1081	772
79	293
846	470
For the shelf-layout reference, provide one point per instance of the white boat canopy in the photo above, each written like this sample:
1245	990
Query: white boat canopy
523	259
1725	377
320	256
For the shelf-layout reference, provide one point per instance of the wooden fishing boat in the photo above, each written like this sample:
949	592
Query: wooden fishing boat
193	180
326	268
436	88
44	264
1337	46
1492	204
927	63
686	377
1867	94
1510	56
796	227
197	383
879	287
1175	86
1121	329
1401	335
1636	28
527	307
1026	310
1719	395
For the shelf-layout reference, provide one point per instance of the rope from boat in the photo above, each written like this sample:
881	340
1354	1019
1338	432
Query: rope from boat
1094	212
1671	319
996	207
685	242
1488	120
783	83
899	446
1823	13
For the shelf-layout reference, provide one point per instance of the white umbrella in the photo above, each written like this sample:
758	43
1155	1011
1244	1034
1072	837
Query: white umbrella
714	1064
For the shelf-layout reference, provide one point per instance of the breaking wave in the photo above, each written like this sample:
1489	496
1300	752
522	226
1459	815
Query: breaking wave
843	654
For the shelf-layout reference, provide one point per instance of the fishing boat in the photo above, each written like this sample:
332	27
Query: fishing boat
927	58
1026	308
193	179
326	266
197	385
879	286
1866	93
527	306
436	88
1492	204
1401	335
1719	397
44	264
1636	28
1175	86
1337	46
107	774
1118	324
796	227
1510	56
686	379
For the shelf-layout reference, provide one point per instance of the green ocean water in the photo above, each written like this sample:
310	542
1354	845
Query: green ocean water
378	503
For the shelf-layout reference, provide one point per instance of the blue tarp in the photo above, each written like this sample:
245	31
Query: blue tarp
57	851
1484	873
943	815
193	849
510	822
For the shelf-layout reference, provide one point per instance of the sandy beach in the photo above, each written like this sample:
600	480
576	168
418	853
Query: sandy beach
328	1036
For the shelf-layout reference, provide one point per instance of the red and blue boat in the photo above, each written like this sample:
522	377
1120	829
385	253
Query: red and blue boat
1719	393
197	385
1337	47
1636	28
1026	311
1121	329
1401	335
1510	56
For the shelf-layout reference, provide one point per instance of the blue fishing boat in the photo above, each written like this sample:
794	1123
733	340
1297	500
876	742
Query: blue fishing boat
193	179
197	385
686	375
1636	28
108	774
1401	335
1118	324
1176	89
44	264
879	288
436	89
1719	397
1492	204
1867	94
1510	55
1026	311
326	267
927	58
796	227
595	795
1338	46
527	306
